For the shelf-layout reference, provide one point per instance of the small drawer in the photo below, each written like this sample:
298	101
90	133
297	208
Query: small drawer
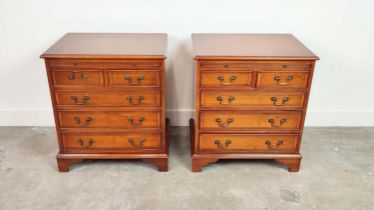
133	141
266	143
237	99
134	78
78	78
224	79
109	119
223	120
108	98
282	79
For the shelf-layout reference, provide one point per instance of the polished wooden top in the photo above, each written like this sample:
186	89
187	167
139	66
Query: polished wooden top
250	46
109	45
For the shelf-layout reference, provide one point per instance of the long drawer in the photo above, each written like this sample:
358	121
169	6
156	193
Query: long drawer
267	143
239	120
109	119
235	99
134	141
109	98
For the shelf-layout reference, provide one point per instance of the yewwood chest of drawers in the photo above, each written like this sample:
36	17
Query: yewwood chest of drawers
108	96
251	97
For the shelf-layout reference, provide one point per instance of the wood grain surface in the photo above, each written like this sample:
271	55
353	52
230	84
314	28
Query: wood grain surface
261	46
110	45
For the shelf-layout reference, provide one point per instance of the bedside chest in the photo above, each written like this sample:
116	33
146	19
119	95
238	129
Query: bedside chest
251	97
108	96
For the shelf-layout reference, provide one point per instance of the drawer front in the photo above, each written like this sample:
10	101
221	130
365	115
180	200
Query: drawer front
108	98
136	141
248	142
106	64
256	65
250	120
78	78
252	99
108	119
134	78
235	79
282	79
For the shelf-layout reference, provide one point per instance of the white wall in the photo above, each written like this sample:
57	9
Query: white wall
341	32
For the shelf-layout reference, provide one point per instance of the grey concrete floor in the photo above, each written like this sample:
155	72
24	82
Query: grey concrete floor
337	172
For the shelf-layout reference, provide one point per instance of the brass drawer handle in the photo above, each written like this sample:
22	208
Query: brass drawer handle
138	80
229	100
222	79
84	100
275	99
281	121
90	142
87	121
222	146
82	76
134	144
140	98
276	146
278	80
80	141
228	121
71	76
131	120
